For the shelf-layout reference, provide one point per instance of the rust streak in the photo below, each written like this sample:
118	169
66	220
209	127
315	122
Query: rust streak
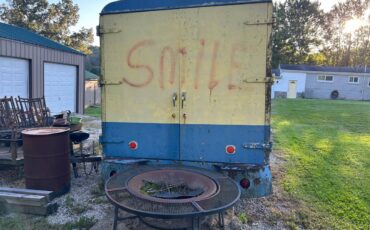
212	81
234	65
183	52
170	51
199	63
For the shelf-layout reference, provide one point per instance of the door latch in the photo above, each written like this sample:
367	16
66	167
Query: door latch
174	99
183	99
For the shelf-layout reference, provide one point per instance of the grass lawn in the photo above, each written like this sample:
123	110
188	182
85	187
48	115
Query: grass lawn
94	111
326	145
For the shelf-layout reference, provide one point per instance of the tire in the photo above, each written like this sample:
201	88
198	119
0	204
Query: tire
334	94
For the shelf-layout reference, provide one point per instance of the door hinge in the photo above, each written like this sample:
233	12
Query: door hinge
100	30
264	146
103	83
260	22
259	80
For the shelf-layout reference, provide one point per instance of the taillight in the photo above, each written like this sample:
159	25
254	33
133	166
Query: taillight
230	149
245	183
133	145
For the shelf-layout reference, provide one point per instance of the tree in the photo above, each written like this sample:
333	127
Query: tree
50	20
347	48
296	32
92	62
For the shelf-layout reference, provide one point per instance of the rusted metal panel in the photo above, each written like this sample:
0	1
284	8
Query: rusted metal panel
38	56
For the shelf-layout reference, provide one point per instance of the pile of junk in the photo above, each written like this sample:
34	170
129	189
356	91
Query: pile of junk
46	146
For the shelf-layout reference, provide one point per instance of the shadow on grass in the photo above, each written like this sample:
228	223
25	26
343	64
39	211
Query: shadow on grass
328	152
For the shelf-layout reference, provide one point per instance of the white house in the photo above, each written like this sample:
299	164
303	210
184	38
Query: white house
321	82
288	83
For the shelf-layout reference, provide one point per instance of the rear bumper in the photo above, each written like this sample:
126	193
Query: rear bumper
259	176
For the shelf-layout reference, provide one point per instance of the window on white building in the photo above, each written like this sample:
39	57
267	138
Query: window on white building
368	83
325	78
353	80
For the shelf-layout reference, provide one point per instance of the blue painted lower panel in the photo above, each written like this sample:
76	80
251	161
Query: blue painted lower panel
204	143
159	141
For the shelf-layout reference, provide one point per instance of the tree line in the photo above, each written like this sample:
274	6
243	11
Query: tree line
302	32
305	34
51	20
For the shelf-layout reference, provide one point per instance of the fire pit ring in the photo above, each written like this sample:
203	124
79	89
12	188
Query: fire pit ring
199	186
124	191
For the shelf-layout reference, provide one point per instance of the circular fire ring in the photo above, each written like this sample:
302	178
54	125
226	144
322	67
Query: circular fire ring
210	193
172	186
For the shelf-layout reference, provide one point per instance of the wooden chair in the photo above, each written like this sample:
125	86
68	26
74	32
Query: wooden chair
33	112
10	132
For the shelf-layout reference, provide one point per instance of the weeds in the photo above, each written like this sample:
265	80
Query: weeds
75	208
82	223
98	190
243	218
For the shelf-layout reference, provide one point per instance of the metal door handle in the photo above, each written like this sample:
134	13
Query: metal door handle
174	99
183	99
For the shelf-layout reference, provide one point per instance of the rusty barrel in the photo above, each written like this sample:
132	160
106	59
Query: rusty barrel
46	159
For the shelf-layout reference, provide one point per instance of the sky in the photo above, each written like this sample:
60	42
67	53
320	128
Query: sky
90	9
89	14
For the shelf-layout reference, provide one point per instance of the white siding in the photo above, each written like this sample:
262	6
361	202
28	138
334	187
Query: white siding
281	85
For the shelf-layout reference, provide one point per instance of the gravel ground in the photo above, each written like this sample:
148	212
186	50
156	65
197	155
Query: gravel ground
86	199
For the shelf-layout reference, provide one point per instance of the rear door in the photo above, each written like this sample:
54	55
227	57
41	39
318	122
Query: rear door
186	84
224	92
141	85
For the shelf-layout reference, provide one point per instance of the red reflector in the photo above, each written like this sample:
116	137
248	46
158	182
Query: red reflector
230	149
245	183
133	145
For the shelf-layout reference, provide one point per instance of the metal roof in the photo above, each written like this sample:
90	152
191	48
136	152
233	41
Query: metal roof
22	35
332	69
129	6
276	72
90	76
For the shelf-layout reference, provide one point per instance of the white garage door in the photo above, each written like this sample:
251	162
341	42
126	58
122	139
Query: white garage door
60	87
14	75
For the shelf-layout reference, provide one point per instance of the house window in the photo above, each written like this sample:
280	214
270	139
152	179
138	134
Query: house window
353	80
368	83
325	78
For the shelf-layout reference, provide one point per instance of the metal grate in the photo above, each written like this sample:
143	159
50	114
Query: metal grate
227	194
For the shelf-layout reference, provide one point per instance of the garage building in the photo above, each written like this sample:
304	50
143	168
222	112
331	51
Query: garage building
34	66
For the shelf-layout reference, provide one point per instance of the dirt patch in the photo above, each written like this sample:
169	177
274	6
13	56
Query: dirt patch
277	211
